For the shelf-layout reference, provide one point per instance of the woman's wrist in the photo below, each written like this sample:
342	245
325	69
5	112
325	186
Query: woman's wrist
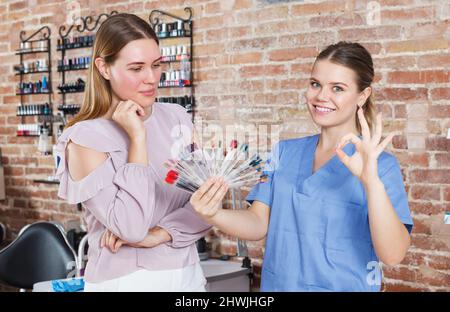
138	138
137	152
372	183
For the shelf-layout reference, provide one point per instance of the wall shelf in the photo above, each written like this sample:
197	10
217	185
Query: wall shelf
41	38
32	52
87	24
32	72
170	27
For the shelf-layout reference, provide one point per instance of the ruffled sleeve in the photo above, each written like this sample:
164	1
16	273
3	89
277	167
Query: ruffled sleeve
120	196
79	191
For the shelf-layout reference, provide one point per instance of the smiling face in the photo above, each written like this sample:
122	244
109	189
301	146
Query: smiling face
135	73
333	96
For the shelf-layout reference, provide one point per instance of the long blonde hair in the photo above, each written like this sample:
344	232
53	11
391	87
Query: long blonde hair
115	32
354	56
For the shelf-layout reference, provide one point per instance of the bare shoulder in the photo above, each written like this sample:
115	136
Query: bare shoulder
82	160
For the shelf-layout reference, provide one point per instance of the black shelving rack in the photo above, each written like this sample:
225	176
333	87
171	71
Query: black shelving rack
87	24
42	35
186	31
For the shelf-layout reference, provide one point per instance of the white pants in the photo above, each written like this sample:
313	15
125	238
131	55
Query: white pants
189	278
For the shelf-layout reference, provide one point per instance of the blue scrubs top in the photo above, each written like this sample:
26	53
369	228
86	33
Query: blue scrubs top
319	234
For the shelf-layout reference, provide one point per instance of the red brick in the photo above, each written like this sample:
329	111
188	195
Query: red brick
447	195
209	22
246	58
430	176
317	8
20	203
14	171
440	94
421	227
238	32
398	16
401	94
432	28
400	111
370	34
291	54
433	61
327	21
442	160
439	111
242	4
262	70
400	273
257	43
422	77
427	242
212	8
426	208
400	142
394	62
438	144
417	258
400	287
412	159
426	192
417	45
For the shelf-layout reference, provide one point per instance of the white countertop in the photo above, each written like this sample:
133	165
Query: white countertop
213	269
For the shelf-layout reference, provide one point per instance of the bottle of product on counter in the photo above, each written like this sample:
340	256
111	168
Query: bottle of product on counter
44	145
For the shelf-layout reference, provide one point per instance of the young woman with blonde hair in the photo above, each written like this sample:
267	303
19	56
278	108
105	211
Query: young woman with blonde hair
141	232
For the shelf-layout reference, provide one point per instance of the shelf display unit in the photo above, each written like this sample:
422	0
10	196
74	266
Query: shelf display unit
177	54
68	42
37	43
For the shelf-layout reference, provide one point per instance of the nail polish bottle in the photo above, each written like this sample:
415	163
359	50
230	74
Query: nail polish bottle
173	33
161	79
178	55
180	29
44	84
173	53
42	45
169	30
163	33
46	109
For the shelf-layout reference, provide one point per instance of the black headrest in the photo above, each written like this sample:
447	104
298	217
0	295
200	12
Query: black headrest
39	253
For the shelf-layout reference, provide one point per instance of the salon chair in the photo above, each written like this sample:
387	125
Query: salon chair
2	233
40	252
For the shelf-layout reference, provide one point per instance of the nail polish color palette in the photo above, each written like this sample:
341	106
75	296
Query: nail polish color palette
195	166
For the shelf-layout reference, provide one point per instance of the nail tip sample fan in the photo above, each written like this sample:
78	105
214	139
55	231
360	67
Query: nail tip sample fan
194	166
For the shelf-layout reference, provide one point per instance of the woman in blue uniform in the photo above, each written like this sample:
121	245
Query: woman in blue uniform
336	200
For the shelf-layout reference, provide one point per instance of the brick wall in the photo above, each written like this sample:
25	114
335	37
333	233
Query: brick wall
252	58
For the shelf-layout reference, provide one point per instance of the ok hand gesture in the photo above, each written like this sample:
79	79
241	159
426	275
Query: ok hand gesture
363	163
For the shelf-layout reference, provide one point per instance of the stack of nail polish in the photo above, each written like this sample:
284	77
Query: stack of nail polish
194	166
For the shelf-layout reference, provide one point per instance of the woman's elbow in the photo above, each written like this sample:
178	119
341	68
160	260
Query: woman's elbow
131	234
259	235
395	258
